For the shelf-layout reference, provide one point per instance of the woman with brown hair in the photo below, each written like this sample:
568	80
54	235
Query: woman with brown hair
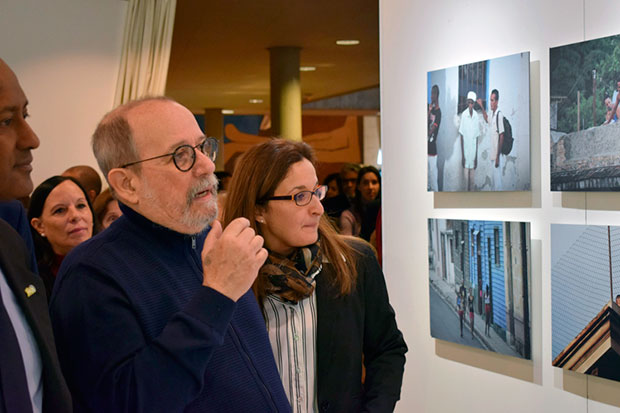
106	209
323	295
61	217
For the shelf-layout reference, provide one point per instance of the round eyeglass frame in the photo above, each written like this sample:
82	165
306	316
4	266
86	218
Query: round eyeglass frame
211	153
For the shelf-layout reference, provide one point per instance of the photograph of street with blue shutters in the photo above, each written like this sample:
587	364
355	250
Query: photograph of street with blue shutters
585	298
584	111
479	284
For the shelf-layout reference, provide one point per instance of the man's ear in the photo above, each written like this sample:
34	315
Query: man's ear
123	182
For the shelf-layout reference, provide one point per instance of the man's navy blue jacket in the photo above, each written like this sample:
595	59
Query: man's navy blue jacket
137	332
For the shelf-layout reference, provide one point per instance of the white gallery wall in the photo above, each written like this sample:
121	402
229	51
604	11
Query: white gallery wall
66	54
420	36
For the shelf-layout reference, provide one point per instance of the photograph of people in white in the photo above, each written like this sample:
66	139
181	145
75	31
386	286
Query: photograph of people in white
478	118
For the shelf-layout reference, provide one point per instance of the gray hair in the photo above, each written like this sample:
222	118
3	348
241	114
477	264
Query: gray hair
113	142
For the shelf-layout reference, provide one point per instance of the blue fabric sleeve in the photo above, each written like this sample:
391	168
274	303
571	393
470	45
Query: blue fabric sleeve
118	369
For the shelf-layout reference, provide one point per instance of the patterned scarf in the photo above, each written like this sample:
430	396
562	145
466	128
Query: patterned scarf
293	278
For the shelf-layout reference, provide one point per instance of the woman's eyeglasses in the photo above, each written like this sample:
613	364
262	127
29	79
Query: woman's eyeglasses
302	198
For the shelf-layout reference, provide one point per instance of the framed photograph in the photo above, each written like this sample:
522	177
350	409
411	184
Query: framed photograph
479	284
585	298
584	113
478	118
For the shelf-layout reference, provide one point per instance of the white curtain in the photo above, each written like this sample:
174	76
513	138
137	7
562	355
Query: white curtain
146	49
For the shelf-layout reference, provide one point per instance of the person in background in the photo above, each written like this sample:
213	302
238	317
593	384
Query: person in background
459	308
376	238
487	311
322	293
470	307
615	101
106	210
495	120
348	175
469	130
335	200
609	116
334	185
223	181
87	177
30	375
614	106
433	123
155	314
61	218
361	219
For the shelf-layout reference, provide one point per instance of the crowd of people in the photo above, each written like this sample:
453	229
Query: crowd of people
353	202
156	295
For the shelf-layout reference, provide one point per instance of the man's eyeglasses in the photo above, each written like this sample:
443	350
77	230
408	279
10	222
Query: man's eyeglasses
302	198
184	157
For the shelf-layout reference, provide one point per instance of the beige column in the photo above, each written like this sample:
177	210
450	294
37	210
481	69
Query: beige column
285	92
214	127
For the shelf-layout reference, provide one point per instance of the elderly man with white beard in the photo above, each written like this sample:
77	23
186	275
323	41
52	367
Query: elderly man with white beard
155	313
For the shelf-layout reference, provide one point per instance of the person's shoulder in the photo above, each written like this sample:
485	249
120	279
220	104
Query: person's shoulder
7	231
93	250
10	237
360	247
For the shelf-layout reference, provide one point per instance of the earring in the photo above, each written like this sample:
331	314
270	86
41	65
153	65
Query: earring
42	234
261	220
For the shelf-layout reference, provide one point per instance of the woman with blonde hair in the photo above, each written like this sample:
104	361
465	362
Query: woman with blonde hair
323	295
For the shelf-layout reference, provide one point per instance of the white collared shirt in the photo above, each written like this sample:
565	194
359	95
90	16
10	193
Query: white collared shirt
292	334
27	344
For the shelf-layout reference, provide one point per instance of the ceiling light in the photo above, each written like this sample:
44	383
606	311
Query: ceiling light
347	42
227	111
307	68
256	101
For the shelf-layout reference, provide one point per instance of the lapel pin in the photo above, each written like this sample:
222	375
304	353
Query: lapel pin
30	290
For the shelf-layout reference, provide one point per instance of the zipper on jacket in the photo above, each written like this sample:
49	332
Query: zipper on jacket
194	257
235	337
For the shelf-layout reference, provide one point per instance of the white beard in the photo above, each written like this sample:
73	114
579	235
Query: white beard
183	213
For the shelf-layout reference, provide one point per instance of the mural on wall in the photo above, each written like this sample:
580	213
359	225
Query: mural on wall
336	139
478	136
479	284
585	298
584	112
